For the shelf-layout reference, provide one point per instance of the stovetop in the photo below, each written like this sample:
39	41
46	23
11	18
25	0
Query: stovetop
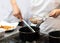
40	40
16	39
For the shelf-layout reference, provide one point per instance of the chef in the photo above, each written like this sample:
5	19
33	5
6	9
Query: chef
43	9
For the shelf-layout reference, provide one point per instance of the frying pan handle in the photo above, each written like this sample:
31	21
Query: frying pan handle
38	24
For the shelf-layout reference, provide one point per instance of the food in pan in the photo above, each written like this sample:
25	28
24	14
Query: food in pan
36	20
6	27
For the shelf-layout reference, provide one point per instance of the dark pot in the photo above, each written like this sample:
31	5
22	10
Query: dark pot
54	37
27	35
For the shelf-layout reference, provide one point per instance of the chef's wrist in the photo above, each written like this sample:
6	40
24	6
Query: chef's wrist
59	11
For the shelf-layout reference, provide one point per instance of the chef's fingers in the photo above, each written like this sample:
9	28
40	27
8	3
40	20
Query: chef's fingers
56	15
52	14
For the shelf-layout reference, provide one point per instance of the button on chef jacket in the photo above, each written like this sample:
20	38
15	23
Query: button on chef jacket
6	9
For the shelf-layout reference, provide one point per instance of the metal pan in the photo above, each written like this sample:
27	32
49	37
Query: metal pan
25	34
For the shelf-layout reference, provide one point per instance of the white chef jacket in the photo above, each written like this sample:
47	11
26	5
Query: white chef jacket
42	8
6	9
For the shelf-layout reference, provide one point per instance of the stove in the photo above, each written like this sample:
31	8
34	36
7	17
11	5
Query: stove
40	40
17	40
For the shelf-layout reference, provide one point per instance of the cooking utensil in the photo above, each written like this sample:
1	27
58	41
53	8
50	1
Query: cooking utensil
29	26
25	33
54	37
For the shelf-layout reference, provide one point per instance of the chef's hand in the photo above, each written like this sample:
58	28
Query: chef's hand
36	20
54	13
18	15
16	10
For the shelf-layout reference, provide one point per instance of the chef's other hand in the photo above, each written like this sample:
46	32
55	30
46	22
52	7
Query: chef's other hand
36	20
54	13
19	16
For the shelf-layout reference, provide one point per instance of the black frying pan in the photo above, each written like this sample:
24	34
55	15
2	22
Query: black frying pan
54	37
26	35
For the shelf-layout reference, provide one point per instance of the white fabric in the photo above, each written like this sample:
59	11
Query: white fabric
50	24
6	9
42	8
